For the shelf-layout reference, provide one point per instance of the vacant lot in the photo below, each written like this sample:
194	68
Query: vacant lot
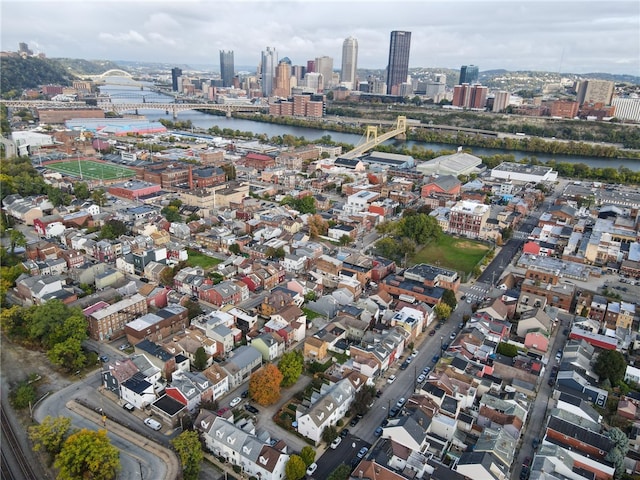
91	170
460	254
197	259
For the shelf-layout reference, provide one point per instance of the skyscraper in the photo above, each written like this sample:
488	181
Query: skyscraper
398	66
175	74
283	79
268	70
349	61
595	91
468	74
324	66
226	68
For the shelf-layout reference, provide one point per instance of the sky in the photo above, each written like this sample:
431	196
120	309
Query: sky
577	36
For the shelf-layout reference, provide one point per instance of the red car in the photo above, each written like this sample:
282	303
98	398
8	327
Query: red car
222	411
527	462
432	333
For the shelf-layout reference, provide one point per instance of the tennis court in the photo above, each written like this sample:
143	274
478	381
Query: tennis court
91	170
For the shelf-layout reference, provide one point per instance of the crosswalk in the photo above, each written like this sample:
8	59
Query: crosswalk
477	292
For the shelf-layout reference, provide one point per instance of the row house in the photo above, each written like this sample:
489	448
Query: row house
377	352
242	364
26	210
133	380
360	266
108	323
219	380
157	326
226	292
167	362
189	280
242	448
270	345
46	267
619	315
190	389
73	258
37	290
189	341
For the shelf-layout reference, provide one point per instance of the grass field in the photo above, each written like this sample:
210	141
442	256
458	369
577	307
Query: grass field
460	254
91	170
197	259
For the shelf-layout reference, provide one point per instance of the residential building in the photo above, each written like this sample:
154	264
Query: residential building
108	322
595	91
468	219
398	65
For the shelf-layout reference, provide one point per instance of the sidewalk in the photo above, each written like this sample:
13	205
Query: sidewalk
166	455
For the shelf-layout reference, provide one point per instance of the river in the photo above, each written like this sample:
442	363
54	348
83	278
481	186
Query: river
122	93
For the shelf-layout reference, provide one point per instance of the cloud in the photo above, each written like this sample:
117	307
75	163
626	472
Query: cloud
130	36
160	38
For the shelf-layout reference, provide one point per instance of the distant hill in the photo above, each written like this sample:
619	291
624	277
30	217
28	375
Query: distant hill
87	67
19	73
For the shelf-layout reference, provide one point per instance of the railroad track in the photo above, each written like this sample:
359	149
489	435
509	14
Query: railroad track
15	464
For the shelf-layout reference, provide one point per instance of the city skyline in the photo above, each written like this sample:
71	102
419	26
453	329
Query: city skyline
567	36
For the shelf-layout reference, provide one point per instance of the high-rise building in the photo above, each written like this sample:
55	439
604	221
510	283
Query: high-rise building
268	70
501	101
226	68
398	66
468	74
469	96
175	74
311	66
595	91
283	79
324	66
349	61
299	72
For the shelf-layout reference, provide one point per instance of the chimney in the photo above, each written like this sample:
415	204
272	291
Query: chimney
190	177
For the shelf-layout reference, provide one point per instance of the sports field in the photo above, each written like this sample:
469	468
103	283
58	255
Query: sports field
459	254
91	170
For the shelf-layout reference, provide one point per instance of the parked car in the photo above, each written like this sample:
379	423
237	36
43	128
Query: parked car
344	432
391	379
378	432
354	421
124	346
104	358
222	411
153	424
235	402
245	394
312	468
394	411
435	358
535	443
453	335
426	371
415	353
335	443
128	407
400	403
420	378
432	333
363	451
404	365
252	409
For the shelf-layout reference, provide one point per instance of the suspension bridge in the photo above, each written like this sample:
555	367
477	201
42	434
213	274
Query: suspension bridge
371	139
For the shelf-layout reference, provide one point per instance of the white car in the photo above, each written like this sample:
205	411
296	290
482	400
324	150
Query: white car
336	442
153	424
391	379
235	402
312	468
400	403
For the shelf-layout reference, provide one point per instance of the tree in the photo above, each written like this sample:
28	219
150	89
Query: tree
419	227
193	309
189	450
23	395
308	455
264	385
291	367
449	298
234	248
329	434
317	226
443	311
295	468
88	454
68	354
81	191
113	229
363	399
200	359
341	473
171	213
344	240
16	239
50	434
507	349
99	196
610	364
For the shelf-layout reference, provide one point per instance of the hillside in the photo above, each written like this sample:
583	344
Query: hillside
19	73
81	67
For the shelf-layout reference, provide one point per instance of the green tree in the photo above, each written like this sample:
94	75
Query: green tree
419	227
81	191
16	239
88	454
507	349
449	298
23	395
291	366
341	473
68	354
189	450
308	455
329	434
99	196
344	240
171	213
264	385
295	468
113	229
610	364
200	359
193	308
363	399
50	434
443	311
234	248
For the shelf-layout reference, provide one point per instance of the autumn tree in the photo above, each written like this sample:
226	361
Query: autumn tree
443	311
295	468
291	367
318	226
308	455
264	385
88	454
50	434
189	450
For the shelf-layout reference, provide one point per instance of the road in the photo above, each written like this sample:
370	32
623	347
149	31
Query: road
137	463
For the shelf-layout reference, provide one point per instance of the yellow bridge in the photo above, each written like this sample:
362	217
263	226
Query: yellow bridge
371	138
